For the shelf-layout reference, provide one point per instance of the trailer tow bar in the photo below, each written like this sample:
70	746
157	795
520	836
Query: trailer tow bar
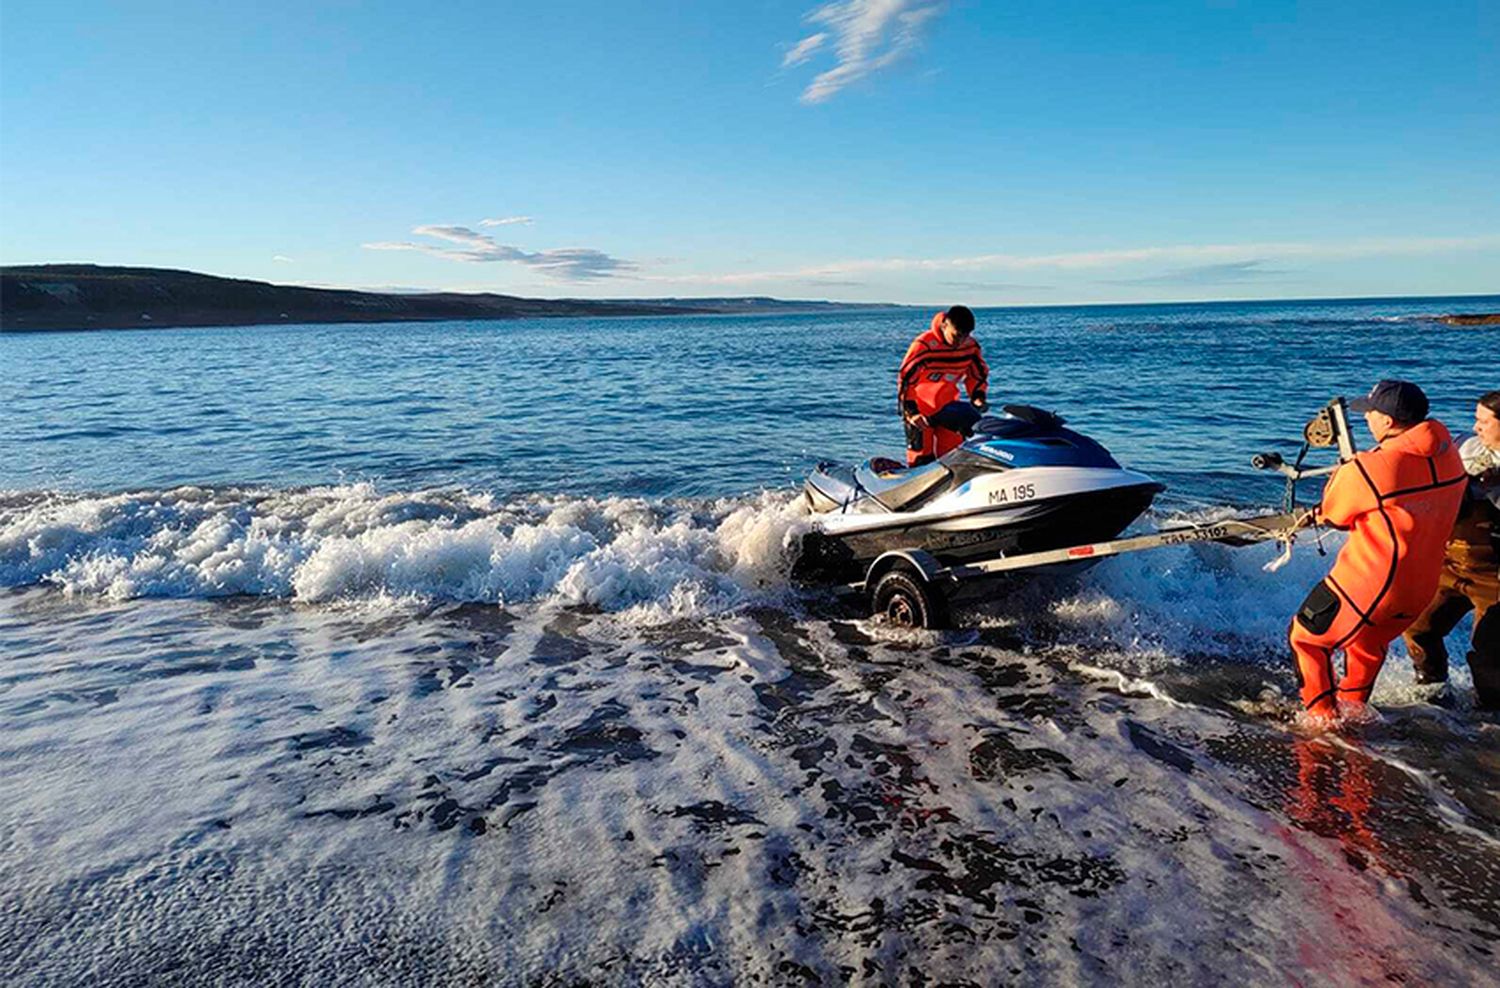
910	587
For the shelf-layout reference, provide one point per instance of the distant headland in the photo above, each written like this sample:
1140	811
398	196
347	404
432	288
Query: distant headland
1474	319
88	296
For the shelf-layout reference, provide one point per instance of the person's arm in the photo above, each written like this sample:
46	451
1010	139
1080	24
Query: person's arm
977	381
1346	496
904	404
1482	464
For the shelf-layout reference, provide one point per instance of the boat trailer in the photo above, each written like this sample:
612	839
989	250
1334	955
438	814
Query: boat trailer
913	588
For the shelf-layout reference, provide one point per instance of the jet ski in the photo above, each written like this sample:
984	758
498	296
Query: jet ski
1021	483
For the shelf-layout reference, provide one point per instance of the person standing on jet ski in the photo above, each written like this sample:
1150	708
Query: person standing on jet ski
936	363
1398	502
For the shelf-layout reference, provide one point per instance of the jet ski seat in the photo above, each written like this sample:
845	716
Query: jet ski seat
900	487
1019	421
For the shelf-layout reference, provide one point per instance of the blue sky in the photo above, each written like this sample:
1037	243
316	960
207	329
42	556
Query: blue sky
896	150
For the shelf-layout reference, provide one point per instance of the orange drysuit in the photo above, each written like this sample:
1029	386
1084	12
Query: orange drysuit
1398	502
929	379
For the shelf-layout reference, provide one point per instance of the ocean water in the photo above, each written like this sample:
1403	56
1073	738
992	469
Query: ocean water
466	652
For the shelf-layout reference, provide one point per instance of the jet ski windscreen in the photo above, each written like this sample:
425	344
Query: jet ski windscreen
957	416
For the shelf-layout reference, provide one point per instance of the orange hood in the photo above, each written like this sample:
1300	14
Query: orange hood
1427	438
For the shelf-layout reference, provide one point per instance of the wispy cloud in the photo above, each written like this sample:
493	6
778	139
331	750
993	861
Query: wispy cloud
868	35
1231	272
1183	255
994	286
562	263
282	259
508	221
389	289
803	50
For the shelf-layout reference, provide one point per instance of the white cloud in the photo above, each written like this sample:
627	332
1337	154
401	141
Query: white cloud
803	50
561	263
869	35
456	234
508	221
1221	255
1230	272
282	259
994	286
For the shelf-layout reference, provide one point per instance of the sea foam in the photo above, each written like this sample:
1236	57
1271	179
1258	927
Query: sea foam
653	560
354	542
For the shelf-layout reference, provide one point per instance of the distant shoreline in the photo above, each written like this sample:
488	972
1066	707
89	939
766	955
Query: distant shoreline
1472	319
85	297
82	297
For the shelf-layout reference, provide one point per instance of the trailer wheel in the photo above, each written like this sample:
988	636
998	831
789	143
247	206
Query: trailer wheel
906	600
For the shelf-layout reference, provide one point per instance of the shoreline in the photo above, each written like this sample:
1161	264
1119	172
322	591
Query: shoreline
1473	319
84	297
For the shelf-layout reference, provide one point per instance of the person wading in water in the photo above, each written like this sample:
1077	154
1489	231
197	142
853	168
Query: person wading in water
1471	569
1398	502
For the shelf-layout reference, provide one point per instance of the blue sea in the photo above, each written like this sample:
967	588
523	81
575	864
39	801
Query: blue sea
467	653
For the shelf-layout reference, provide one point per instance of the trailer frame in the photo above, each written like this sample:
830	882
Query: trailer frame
913	587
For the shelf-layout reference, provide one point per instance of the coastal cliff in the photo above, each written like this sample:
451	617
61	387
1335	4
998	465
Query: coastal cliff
87	296
1474	319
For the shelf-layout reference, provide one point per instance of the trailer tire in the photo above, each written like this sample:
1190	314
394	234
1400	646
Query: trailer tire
907	600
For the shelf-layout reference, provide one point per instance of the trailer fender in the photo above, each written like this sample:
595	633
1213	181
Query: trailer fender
919	561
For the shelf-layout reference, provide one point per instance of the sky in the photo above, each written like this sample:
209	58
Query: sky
918	151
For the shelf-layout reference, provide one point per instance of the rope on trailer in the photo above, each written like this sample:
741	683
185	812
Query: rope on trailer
1289	506
1285	556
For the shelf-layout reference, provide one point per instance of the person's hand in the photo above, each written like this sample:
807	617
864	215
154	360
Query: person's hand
981	403
920	421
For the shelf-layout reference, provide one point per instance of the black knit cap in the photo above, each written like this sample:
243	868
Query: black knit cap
962	318
1401	400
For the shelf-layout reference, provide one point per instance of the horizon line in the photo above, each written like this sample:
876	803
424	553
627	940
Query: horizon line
776	298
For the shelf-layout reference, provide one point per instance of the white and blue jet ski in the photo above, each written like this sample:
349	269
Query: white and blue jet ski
1021	483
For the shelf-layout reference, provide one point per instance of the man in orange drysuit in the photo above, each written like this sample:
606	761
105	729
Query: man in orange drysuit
927	394
1398	502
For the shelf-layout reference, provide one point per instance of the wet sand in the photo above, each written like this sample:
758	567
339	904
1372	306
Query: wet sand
259	791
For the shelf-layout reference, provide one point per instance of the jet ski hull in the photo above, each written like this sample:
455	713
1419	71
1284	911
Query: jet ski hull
1022	483
977	533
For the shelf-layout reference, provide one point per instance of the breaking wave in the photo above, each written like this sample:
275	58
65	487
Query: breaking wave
354	542
1201	599
653	561
662	559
